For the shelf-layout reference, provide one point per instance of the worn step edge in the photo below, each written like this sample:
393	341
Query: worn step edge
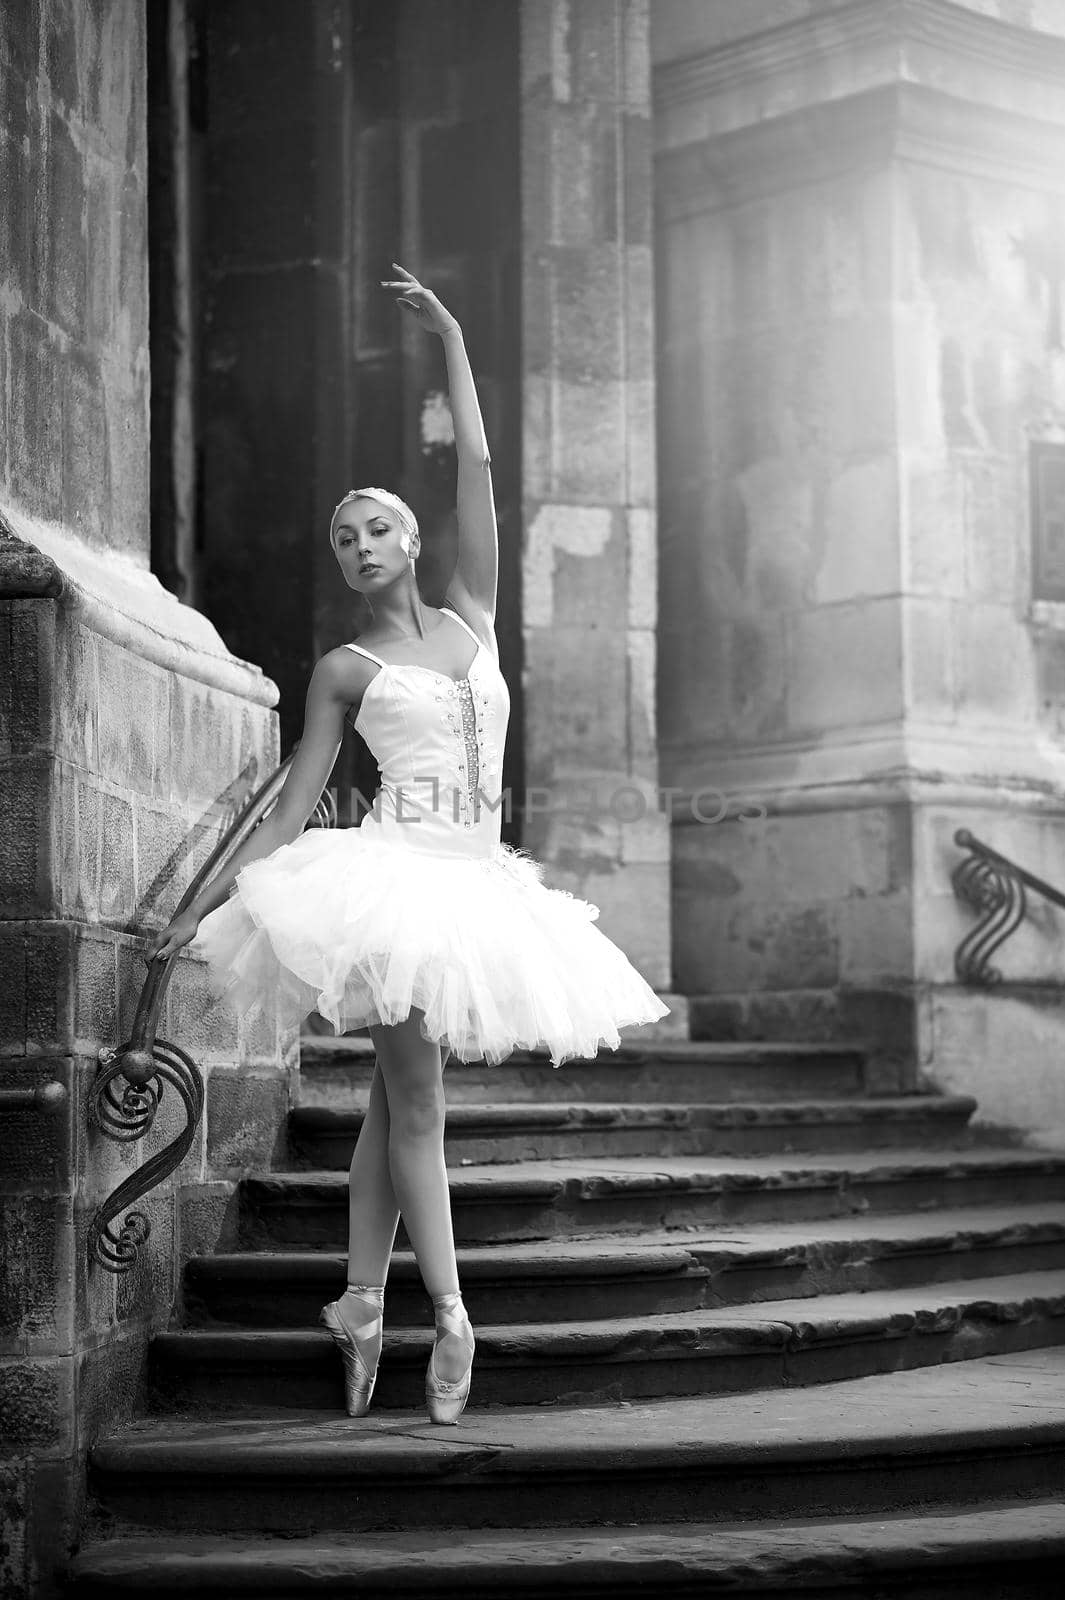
524	1117
597	1178
316	1048
798	1555
679	1335
653	1253
1000	1405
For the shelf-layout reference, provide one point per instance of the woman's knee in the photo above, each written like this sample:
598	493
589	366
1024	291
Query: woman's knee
417	1110
411	1071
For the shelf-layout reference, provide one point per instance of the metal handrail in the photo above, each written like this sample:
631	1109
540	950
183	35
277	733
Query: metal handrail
992	884
129	1085
42	1097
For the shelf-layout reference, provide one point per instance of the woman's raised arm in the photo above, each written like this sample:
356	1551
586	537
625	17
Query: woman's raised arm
474	585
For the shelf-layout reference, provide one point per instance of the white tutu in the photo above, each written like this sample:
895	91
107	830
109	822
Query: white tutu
362	930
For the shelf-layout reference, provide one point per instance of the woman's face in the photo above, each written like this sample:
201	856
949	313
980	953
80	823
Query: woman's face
372	545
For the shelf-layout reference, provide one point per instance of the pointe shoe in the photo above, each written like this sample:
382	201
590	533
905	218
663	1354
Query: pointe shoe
446	1400
359	1381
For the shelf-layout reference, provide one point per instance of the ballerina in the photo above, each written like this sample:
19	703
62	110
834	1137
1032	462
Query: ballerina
419	924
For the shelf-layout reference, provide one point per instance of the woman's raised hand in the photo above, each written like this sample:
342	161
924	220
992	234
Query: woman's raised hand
422	302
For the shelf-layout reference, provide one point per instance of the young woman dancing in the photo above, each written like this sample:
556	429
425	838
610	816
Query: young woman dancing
419	924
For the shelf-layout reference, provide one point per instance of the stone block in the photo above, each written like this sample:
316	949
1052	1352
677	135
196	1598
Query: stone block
587	311
930	686
203	749
77	709
95	990
49	989
582	176
28	669
62	287
995	528
38	1154
993	656
641	472
933	522
15	1576
24	823
81	840
35	421
845	665
112	1383
877	939
31	1271
636	176
577	530
133	699
570	730
36	1406
642	549
1005	1049
755	676
538	432
588	575
245	1120
859	534
642	726
164	862
194	1019
117	900
588	438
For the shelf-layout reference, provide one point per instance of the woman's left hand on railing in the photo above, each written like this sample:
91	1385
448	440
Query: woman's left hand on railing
169	940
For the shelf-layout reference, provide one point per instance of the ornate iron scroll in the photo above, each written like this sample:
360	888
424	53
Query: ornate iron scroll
129	1086
995	886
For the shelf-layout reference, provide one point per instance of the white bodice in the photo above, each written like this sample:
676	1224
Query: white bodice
439	743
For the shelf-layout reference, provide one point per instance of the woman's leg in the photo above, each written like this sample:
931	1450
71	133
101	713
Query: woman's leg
413	1079
373	1217
373	1211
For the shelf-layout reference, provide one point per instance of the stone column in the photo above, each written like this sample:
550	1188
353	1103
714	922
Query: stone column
856	354
589	558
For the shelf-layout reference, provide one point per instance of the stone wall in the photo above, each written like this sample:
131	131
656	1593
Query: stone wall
73	350
854	358
129	736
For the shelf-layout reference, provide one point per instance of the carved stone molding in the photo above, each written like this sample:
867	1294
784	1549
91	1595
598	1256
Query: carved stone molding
870	130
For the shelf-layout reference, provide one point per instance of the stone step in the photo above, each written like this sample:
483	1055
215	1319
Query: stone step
943	1436
1011	1552
322	1137
557	1198
333	1072
781	1342
615	1276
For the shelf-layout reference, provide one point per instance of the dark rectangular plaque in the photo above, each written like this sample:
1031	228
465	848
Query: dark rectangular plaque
1046	462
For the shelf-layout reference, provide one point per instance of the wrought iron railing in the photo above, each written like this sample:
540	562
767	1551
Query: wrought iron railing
995	886
131	1080
41	1097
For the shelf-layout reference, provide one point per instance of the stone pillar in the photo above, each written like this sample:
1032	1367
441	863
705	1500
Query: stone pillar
129	737
589	560
854	361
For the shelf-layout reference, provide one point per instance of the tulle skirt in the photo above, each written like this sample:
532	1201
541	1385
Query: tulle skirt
363	930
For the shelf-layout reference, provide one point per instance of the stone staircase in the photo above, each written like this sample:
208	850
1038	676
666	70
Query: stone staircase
742	1327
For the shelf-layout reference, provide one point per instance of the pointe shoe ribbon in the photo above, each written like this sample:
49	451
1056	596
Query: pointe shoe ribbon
359	1381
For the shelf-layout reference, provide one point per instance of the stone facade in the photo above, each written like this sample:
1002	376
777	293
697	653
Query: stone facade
856	351
129	738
